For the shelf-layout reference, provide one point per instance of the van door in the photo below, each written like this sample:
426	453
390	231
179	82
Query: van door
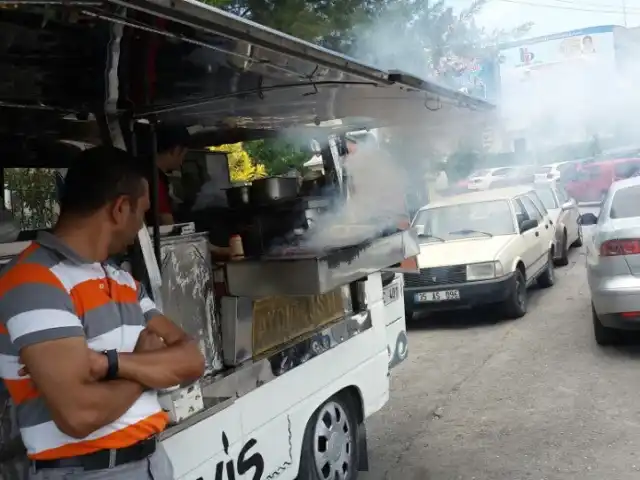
530	238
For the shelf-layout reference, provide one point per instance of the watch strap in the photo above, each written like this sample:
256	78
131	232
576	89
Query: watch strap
112	364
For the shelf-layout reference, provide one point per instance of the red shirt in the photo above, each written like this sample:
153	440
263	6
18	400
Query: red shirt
164	200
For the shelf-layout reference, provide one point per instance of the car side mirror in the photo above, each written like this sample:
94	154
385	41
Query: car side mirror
587	219
527	225
567	205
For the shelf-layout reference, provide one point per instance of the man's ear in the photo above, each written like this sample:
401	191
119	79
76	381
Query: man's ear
120	209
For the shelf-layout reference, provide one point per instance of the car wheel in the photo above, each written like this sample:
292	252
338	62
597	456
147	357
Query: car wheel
564	258
604	335
547	278
515	306
578	242
330	447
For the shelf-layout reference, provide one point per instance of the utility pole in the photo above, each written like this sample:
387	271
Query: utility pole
624	12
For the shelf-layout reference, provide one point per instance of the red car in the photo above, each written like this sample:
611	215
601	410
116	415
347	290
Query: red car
591	181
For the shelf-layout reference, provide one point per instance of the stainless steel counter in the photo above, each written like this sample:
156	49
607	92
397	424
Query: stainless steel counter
187	292
314	274
221	390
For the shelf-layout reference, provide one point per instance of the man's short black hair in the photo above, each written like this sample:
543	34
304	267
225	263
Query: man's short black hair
98	176
169	137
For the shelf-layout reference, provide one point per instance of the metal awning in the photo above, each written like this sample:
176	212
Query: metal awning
182	61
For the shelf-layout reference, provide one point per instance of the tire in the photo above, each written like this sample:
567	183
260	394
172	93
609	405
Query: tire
564	258
321	457
578	242
547	278
516	305
604	335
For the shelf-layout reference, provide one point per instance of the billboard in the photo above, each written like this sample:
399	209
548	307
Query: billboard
558	85
476	76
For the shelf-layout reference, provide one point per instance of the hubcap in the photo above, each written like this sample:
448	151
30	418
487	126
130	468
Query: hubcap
333	443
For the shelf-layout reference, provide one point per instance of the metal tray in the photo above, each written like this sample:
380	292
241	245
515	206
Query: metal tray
308	274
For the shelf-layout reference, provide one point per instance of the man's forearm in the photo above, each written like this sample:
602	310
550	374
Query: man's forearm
179	363
98	405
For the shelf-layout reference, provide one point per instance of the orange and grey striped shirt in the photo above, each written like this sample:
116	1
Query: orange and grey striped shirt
49	292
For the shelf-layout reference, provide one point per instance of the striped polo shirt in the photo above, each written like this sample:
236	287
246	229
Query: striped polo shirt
49	292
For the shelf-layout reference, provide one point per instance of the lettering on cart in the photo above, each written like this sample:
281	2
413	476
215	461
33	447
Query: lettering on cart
242	465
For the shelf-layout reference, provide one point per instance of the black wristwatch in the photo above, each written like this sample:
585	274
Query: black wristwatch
112	364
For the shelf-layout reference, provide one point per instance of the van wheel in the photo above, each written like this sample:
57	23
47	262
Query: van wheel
547	278
564	258
330	447
515	306
604	335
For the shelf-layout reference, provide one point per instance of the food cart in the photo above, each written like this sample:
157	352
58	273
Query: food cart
298	341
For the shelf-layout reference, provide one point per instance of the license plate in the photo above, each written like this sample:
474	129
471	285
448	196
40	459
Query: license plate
391	293
440	296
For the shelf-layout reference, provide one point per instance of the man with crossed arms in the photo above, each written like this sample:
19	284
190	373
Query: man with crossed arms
82	347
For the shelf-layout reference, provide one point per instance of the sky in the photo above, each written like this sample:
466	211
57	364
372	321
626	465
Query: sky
552	16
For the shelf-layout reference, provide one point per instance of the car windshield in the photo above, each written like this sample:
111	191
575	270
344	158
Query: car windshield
480	173
546	169
547	197
625	203
453	222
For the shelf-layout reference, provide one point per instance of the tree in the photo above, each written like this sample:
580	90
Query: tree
277	156
327	23
430	39
32	196
241	167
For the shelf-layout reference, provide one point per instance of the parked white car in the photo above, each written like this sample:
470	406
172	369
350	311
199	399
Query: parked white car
481	248
565	214
482	179
556	171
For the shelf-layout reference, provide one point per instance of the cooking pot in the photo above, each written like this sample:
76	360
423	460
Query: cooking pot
313	185
270	189
238	196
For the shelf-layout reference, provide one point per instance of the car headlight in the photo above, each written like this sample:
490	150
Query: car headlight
484	271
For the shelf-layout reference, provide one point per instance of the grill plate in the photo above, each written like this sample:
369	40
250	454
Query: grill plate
430	277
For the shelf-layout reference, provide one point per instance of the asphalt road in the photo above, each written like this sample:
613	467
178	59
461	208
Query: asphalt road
533	398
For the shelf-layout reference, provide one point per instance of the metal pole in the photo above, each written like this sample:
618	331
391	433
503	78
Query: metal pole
154	192
624	12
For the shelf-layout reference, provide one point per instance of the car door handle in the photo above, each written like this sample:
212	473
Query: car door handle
537	234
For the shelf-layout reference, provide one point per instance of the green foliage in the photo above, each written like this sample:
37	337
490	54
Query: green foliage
32	196
241	167
460	164
325	22
277	156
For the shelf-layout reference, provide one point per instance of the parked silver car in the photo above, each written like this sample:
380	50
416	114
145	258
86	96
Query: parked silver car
564	214
613	261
